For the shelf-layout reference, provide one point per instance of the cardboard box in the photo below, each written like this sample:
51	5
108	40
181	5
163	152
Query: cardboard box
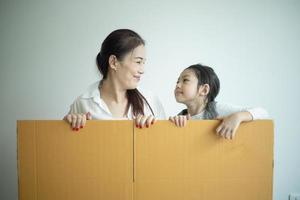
113	160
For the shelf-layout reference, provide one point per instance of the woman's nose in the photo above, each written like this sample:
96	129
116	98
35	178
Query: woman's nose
141	70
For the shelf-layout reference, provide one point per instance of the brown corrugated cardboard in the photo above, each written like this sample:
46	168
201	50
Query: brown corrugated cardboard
113	160
194	163
56	163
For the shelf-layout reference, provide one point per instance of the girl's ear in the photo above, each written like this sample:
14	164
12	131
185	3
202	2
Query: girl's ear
113	62
204	90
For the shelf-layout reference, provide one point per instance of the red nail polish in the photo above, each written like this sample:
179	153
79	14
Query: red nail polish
140	127
77	129
147	125
152	122
81	126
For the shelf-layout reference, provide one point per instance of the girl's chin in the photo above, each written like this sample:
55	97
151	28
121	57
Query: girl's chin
178	100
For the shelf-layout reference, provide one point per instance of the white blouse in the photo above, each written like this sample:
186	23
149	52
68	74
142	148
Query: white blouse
91	102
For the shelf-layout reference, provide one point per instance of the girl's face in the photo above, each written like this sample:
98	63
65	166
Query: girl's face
187	87
131	68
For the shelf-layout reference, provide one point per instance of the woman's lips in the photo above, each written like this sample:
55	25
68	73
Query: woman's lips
138	78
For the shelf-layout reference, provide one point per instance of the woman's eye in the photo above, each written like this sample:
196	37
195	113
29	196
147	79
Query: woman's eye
185	80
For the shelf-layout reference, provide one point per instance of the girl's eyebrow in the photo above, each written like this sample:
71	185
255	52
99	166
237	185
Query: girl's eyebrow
185	76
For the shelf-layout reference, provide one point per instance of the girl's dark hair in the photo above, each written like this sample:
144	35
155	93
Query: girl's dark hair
206	75
119	43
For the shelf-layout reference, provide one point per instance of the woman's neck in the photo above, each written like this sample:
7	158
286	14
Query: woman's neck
111	91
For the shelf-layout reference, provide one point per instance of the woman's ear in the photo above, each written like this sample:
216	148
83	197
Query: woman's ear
113	62
204	90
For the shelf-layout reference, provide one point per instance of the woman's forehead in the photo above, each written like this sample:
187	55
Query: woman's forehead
139	52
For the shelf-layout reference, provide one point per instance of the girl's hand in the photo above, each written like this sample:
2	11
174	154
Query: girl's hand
144	121
180	120
77	120
229	126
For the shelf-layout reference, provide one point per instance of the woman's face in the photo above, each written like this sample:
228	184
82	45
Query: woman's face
131	68
186	87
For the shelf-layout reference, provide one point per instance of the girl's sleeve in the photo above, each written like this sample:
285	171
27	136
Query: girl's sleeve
227	109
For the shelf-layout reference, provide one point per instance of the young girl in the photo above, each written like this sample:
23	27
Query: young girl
197	88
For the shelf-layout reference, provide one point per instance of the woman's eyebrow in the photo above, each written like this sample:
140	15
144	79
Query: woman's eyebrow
139	58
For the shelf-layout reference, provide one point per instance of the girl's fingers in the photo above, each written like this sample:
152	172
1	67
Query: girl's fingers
228	133
188	117
220	127
223	131
184	121
233	132
180	120
172	119
176	121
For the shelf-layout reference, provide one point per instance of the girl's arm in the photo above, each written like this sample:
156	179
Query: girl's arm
232	116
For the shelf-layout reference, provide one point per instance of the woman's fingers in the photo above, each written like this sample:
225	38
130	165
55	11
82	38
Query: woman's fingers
88	116
77	121
144	121
150	120
83	121
69	118
74	121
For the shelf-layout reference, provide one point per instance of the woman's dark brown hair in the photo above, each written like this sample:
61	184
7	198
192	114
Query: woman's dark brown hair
119	43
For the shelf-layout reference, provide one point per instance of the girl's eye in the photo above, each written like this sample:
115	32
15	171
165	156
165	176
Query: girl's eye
139	62
185	80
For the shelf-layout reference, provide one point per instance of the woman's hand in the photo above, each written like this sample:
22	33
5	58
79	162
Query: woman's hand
180	120
144	121
77	120
230	124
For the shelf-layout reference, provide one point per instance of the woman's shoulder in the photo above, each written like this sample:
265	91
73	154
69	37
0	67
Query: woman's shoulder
91	91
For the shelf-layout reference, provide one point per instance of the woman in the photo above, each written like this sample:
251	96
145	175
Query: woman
121	62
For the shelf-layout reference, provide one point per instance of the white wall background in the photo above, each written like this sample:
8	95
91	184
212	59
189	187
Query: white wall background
48	49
